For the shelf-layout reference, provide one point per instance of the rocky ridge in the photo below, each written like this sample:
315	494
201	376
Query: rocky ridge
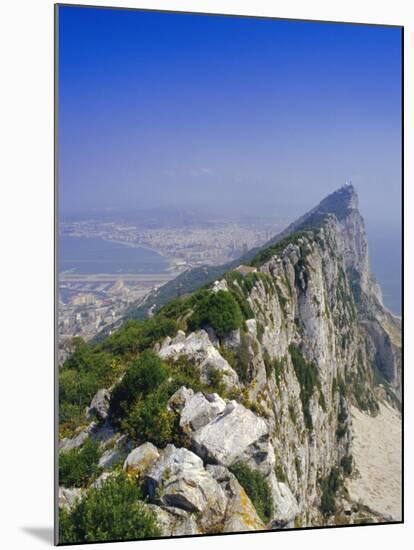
314	340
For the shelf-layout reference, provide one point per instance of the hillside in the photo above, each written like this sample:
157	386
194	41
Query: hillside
230	408
337	203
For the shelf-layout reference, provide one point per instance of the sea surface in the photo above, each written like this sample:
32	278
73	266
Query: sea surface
85	255
94	255
385	258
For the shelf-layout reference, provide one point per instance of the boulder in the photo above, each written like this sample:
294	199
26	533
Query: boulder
178	479
178	400
235	434
115	454
100	432
241	515
232	340
67	444
67	498
285	505
99	406
142	458
219	285
175	522
199	410
97	484
199	349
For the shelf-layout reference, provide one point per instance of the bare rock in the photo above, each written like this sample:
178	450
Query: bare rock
175	522
199	349
114	455
285	505
99	406
178	400
200	410
97	484
67	444
241	515
142	459
69	497
219	285
235	434
178	479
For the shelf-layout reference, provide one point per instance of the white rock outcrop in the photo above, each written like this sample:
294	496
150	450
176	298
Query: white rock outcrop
142	458
198	348
199	410
99	406
235	434
67	498
178	479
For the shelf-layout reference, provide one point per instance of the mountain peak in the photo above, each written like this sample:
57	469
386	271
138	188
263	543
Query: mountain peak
340	202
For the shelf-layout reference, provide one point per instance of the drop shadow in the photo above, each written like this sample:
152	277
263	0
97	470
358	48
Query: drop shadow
44	534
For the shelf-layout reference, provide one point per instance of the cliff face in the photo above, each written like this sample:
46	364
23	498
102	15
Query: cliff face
306	317
315	340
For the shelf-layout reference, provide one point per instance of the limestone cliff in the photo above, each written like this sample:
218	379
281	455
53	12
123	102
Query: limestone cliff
314	339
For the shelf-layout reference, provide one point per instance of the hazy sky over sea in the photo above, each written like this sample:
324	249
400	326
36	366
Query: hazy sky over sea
245	116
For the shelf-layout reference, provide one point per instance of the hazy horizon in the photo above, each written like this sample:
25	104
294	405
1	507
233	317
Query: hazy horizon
231	115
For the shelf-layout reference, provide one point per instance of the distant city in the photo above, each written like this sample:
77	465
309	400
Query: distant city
106	266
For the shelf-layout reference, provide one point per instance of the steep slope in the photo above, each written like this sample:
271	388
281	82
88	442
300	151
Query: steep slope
232	405
382	328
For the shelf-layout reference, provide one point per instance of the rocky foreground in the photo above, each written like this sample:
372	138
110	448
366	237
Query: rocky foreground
250	409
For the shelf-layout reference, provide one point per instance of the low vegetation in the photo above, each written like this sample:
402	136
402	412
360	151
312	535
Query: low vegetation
218	310
143	377
94	366
114	512
330	486
347	464
257	489
78	467
308	378
266	254
139	400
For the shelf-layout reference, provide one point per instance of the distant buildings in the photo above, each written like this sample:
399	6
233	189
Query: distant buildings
245	269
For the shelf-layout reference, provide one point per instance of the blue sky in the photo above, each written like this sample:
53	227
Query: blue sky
158	107
155	105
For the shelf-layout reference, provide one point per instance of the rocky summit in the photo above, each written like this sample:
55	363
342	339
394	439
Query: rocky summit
230	409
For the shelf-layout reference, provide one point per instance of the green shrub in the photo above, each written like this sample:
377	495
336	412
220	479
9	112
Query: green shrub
242	362
78	467
346	464
216	384
143	376
266	253
218	310
82	374
184	373
136	336
280	473
113	512
307	375
260	331
330	486
257	489
274	365
149	420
